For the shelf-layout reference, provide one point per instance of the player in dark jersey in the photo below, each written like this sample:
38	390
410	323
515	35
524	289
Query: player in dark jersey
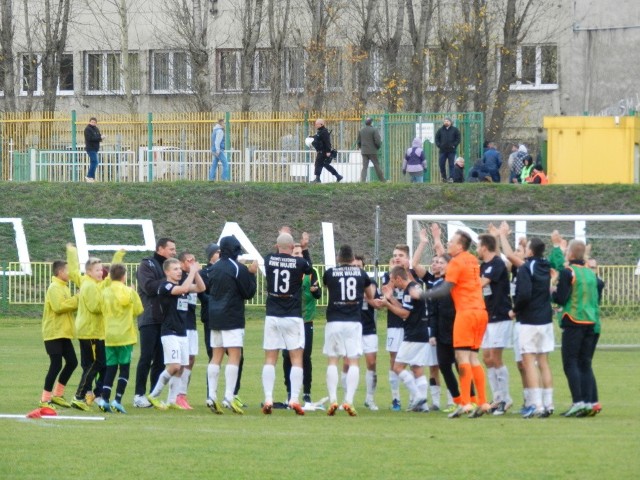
347	286
173	305
494	277
413	349
284	328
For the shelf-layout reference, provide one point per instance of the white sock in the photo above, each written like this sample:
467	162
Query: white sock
175	383
295	378
213	371
547	397
422	385
410	382
230	380
435	395
526	395
163	379
394	383
343	382
268	381
332	383
502	375
184	385
449	398
353	378
536	398
493	383
371	380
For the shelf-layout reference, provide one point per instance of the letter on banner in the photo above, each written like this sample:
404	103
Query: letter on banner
84	248
21	245
329	245
232	228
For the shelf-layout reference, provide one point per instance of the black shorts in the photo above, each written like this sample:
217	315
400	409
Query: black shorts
58	346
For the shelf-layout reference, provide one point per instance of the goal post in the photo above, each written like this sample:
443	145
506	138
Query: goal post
614	242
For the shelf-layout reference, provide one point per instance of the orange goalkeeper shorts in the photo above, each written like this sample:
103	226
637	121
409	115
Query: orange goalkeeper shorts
469	327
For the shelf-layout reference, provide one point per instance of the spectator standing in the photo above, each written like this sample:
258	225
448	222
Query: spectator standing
322	144
218	152
92	139
492	161
414	162
518	152
447	141
369	142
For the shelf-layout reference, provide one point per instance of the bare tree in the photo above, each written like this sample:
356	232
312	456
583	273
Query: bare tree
7	30
323	14
367	16
190	20
251	23
278	17
56	23
419	33
389	32
515	27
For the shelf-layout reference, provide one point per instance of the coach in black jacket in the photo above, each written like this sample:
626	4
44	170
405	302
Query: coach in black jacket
322	144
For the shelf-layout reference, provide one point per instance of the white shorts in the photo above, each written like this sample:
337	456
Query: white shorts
283	333
370	343
516	342
176	349
432	355
227	338
536	338
343	339
413	353
394	339
192	337
498	334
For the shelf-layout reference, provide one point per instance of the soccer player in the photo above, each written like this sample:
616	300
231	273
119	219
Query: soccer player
173	298
532	307
89	324
577	294
369	340
413	349
395	325
57	332
149	277
310	294
462	282
496	288
283	327
429	278
231	284
186	260
120	306
347	287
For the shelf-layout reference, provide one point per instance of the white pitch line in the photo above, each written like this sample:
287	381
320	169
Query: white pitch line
53	417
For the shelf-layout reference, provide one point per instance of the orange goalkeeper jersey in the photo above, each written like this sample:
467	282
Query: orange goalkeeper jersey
464	272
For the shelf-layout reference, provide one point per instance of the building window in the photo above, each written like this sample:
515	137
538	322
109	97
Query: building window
333	70
170	72
536	67
104	73
228	70
294	71
373	67
262	70
31	74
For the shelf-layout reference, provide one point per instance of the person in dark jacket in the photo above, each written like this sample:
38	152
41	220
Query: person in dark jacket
149	277
369	142
458	171
447	141
492	161
322	144
231	284
92	139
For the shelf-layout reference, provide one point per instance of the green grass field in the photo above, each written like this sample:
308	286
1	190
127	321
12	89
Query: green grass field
196	444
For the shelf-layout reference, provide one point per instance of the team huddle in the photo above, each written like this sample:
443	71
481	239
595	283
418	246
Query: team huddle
438	320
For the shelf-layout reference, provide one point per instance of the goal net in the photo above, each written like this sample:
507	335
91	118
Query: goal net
614	242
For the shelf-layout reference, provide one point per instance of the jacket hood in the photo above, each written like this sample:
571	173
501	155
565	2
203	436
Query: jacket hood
230	247
417	142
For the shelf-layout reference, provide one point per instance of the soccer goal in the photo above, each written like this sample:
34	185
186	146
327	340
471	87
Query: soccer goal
614	241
